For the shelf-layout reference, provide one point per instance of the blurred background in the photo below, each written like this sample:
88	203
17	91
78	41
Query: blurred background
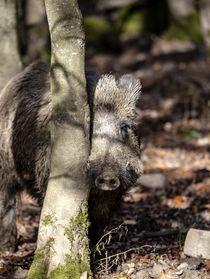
112	24
166	43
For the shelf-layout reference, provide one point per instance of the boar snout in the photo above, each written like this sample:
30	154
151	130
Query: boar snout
107	181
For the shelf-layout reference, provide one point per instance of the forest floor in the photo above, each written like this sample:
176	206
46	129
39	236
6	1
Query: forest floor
146	236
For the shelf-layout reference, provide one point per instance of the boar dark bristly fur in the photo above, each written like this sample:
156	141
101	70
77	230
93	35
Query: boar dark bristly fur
25	111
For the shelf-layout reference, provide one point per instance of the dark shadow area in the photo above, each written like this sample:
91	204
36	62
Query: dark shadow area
156	219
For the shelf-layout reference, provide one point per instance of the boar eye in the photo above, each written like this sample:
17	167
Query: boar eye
124	127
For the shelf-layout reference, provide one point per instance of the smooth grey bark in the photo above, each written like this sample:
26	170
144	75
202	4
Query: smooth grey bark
205	22
10	62
62	241
182	9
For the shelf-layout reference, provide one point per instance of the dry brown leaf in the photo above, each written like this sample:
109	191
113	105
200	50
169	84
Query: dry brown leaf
159	140
135	258
178	200
169	256
207	263
202	187
165	276
2	270
146	259
150	154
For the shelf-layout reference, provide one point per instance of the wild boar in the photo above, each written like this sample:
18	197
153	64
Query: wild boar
25	111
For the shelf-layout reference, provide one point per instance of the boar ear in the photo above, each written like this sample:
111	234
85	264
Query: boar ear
131	85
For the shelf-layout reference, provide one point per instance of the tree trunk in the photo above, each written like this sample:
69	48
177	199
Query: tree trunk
63	248
10	62
181	9
205	22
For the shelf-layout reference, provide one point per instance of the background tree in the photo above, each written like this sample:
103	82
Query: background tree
10	62
62	250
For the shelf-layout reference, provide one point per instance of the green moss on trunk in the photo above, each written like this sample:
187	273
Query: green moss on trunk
78	224
72	269
40	263
48	220
75	264
38	268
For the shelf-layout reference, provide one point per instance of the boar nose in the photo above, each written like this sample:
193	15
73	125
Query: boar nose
107	182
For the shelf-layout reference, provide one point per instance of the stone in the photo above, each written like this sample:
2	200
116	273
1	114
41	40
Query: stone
153	180
197	244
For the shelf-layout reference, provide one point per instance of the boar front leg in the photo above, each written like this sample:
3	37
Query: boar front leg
8	204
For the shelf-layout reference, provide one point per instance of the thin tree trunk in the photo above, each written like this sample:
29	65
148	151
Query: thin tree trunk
62	250
10	62
181	9
205	22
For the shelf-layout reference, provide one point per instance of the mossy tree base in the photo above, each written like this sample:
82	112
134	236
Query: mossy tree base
70	270
74	264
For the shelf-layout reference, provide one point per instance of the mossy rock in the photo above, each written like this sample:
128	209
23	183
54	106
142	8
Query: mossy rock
99	32
187	29
134	25
130	21
95	27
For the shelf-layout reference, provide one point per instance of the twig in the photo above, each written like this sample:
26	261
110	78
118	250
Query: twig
122	253
108	233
